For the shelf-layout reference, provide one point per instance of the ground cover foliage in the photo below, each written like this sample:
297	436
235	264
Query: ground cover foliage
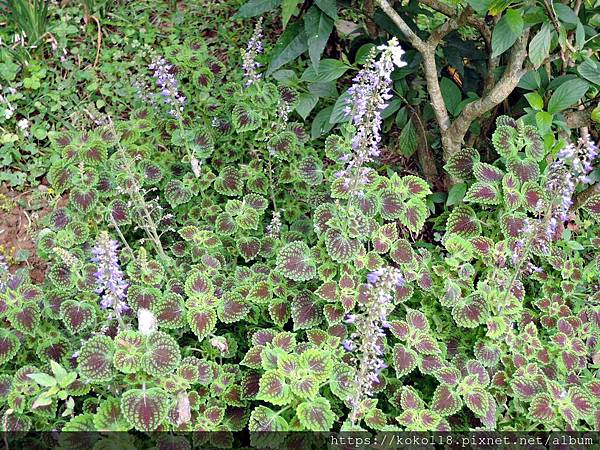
249	232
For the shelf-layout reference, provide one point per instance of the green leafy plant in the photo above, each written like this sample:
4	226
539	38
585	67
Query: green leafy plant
218	263
31	18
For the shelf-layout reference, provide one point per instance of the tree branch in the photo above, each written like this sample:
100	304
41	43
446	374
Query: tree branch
472	20
427	51
412	37
449	26
433	87
453	134
579	118
508	82
371	26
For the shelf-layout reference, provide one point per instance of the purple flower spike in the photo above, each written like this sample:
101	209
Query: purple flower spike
367	98
110	282
369	337
348	345
249	55
572	167
168	86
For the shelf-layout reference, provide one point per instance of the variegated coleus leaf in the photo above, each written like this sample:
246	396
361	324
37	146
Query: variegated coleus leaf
232	308
512	224
77	316
95	360
83	200
118	211
505	140
305	386
459	248
177	193
412	186
247	218
202	321
315	415
274	389
341	248
525	169
339	189
360	226
9	345
460	164
170	311
592	206
480	402
139	296
93	153
261	293
318	363
446	401
488	353
541	408
225	224
109	417
198	285
161	355
145	409
470	312
410	398
382	239
264	419
322	215
391	205
484	193
401	252
310	170
534	146
244	118
306	312
483	246
249	247
464	222
129	348
328	291
405	360
296	262
414	213
284	144
279	311
229	182
486	173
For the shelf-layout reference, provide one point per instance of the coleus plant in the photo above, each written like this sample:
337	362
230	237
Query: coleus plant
214	270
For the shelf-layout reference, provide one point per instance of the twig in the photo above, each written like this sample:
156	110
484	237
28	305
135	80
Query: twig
508	82
98	40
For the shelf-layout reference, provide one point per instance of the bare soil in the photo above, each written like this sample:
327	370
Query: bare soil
20	214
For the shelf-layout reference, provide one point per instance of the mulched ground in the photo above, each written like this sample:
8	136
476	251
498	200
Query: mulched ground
20	213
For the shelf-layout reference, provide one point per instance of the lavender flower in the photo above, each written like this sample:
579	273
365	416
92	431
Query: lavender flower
253	48
368	96
109	277
168	86
370	329
572	167
274	228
